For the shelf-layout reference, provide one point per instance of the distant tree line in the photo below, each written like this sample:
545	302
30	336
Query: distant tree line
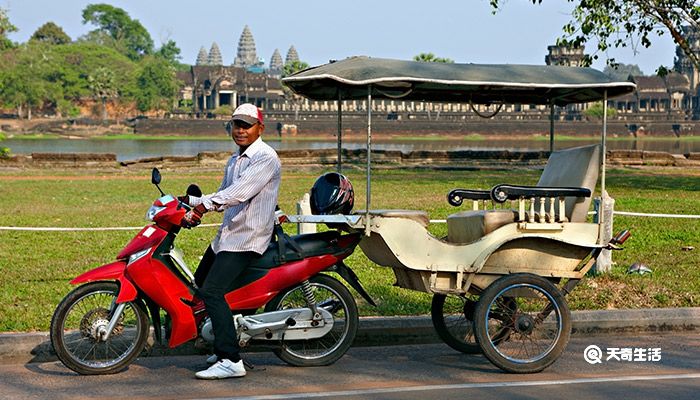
116	62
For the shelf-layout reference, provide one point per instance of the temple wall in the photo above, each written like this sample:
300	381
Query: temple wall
311	125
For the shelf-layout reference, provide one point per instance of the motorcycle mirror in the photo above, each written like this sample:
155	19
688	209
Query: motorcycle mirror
155	179
194	190
155	176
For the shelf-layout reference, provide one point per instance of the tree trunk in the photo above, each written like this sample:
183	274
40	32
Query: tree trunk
29	113
104	109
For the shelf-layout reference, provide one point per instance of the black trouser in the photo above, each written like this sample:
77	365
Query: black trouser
215	277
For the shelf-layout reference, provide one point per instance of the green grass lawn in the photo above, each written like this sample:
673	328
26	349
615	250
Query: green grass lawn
36	266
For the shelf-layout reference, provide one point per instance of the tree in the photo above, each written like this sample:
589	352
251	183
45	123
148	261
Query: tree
616	23
595	111
5	28
4	151
156	85
23	78
430	57
128	35
169	52
75	62
103	86
293	67
51	33
621	72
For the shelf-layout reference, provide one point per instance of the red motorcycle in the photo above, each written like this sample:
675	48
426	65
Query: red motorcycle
309	318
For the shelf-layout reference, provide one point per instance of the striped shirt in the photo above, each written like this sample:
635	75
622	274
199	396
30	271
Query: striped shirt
247	196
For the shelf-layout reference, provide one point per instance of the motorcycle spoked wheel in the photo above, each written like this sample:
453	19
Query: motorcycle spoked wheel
76	324
334	297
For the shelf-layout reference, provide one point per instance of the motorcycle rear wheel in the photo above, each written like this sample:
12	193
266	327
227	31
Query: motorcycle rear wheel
76	324
334	297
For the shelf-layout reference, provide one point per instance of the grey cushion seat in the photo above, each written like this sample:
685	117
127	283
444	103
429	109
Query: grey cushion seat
575	167
468	226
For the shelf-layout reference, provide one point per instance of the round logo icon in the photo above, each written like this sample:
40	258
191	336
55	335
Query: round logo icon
593	354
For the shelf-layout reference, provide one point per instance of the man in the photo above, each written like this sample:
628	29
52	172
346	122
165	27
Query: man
247	196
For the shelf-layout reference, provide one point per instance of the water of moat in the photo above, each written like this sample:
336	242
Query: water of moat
128	149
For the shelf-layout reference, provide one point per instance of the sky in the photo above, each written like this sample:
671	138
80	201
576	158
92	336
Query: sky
322	30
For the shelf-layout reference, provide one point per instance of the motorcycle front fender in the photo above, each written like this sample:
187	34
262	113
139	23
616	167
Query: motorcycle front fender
110	272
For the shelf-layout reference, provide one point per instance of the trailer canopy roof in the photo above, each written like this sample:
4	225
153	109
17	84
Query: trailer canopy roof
458	83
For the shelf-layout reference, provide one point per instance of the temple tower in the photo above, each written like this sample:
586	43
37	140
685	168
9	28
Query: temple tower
683	64
566	56
215	55
202	57
292	55
246	55
276	64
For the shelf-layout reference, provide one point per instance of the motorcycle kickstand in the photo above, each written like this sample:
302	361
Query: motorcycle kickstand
250	366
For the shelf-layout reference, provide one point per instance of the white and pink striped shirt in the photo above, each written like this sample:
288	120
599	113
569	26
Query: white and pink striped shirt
248	196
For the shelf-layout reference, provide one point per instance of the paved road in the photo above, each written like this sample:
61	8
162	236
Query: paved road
393	372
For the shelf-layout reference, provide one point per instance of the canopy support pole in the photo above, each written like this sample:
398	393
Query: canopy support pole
551	127
340	133
603	193
369	157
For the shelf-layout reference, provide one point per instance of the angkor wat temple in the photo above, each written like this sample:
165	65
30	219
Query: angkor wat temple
211	83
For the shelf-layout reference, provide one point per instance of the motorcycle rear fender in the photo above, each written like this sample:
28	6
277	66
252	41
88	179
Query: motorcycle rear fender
351	278
110	272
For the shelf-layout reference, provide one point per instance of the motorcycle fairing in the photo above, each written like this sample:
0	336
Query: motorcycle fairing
149	236
259	292
157	280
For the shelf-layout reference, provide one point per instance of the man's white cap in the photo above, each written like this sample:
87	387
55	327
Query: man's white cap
248	113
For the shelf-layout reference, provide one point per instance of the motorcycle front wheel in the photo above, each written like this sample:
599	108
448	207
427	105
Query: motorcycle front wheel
335	298
79	322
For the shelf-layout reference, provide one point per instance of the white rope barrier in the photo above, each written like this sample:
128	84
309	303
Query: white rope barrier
432	221
55	229
635	214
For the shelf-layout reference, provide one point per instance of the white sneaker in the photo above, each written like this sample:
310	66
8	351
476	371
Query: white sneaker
223	369
212	359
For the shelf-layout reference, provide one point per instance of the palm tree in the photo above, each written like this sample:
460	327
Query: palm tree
103	86
430	57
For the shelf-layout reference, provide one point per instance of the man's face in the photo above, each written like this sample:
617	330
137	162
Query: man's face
244	134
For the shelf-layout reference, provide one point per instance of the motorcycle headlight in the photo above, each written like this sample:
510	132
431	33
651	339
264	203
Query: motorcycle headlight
138	255
153	211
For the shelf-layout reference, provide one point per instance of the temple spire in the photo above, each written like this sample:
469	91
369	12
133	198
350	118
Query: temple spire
292	55
202	57
215	55
246	55
276	64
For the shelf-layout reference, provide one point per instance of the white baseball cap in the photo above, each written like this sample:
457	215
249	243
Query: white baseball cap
248	113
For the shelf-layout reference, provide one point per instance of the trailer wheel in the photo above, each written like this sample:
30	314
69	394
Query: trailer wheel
522	323
453	318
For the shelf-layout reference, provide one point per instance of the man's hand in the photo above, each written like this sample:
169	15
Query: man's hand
184	199
194	216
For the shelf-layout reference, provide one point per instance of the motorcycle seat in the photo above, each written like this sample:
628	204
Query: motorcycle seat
308	245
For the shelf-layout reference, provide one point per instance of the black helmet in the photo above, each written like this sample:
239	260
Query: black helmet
332	194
